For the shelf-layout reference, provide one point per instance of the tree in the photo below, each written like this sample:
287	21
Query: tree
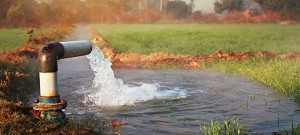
229	5
179	9
22	12
192	4
289	9
120	7
4	7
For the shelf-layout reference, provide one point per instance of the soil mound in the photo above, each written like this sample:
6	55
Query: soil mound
161	59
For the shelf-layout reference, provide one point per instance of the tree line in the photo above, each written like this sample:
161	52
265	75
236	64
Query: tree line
28	13
289	9
38	12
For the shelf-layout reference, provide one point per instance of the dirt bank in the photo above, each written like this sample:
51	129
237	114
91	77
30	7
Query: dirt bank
160	59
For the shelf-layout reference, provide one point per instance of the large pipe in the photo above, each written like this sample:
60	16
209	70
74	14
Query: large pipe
49	102
48	57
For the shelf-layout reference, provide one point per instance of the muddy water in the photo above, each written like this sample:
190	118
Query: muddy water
209	94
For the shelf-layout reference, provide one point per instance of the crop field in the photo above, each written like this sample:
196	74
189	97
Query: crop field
283	75
201	39
12	38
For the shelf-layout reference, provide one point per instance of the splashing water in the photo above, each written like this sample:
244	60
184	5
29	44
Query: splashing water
109	91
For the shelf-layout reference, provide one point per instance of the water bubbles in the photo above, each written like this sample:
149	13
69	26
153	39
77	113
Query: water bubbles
109	91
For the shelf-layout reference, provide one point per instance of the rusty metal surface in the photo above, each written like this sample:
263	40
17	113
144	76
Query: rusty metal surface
49	104
50	108
43	99
57	116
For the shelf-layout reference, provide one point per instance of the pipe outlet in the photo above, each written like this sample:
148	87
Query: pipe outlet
76	48
54	51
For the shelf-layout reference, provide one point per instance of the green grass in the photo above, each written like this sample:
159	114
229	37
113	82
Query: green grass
227	126
283	75
12	38
293	130
232	126
201	39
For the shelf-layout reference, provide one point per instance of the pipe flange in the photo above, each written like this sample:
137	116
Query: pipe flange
46	106
44	99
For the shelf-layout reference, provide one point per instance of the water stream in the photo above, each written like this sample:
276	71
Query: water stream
109	91
169	101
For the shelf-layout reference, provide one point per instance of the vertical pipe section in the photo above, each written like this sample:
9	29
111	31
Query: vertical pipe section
48	84
47	58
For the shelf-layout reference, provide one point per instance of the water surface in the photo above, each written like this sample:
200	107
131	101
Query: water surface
209	94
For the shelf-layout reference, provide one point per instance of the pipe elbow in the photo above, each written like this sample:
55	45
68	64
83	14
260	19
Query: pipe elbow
54	51
48	56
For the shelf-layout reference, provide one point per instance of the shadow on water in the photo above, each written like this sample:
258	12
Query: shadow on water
209	94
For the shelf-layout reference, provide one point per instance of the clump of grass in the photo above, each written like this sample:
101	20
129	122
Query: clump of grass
228	126
12	38
87	124
283	75
294	130
18	78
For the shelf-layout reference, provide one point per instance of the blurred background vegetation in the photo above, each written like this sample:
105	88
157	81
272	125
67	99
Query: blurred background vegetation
33	13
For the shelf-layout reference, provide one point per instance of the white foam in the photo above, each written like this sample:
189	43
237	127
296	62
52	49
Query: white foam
109	91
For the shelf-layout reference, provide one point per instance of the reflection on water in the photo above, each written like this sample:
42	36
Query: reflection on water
209	94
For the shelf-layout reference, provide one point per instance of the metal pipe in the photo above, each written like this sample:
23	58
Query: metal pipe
76	48
48	84
48	57
54	51
49	102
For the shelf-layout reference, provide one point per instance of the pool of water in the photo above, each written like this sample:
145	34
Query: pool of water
208	95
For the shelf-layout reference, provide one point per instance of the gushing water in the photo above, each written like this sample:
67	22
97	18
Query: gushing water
109	91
